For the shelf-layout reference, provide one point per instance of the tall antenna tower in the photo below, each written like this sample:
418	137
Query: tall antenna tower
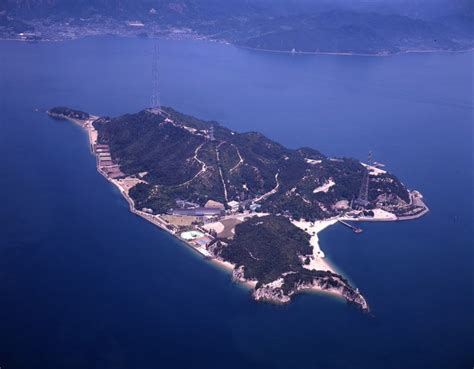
155	94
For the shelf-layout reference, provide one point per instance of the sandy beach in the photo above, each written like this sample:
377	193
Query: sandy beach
319	261
229	267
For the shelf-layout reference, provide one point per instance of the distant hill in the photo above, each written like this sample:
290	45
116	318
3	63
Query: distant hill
126	9
353	32
254	23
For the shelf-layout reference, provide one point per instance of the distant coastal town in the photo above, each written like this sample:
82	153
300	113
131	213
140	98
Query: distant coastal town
240	228
300	34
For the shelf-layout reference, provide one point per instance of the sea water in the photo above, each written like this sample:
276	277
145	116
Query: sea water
86	284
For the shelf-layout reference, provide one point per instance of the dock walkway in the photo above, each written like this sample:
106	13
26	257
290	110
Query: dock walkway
354	228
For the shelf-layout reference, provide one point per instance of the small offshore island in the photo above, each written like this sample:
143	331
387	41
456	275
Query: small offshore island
242	200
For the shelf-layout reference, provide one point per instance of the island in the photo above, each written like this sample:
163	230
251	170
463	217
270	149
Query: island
242	200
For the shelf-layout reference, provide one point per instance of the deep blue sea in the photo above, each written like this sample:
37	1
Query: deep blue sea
86	284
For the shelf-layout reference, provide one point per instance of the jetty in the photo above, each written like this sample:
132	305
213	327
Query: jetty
354	228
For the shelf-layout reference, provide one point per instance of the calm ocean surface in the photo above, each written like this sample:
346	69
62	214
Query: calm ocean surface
86	284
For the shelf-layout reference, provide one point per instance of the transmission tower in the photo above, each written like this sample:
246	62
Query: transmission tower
155	94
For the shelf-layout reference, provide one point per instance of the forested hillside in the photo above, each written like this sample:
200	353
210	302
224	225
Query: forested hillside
182	157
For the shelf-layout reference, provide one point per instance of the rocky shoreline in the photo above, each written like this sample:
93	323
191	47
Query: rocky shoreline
273	292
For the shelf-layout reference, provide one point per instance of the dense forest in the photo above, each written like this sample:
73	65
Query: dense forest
61	111
366	33
267	247
271	248
179	159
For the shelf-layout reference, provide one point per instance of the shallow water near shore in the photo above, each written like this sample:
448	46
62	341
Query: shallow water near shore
84	283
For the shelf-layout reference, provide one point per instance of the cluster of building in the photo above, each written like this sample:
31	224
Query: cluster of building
29	36
196	238
212	209
105	163
135	23
190	219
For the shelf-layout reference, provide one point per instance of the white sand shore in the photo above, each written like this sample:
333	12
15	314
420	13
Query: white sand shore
229	267
329	292
318	261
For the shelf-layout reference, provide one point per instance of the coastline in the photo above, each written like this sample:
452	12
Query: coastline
319	260
341	53
226	266
155	220
271	292
198	37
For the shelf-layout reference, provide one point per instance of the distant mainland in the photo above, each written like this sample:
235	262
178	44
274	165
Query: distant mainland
305	28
